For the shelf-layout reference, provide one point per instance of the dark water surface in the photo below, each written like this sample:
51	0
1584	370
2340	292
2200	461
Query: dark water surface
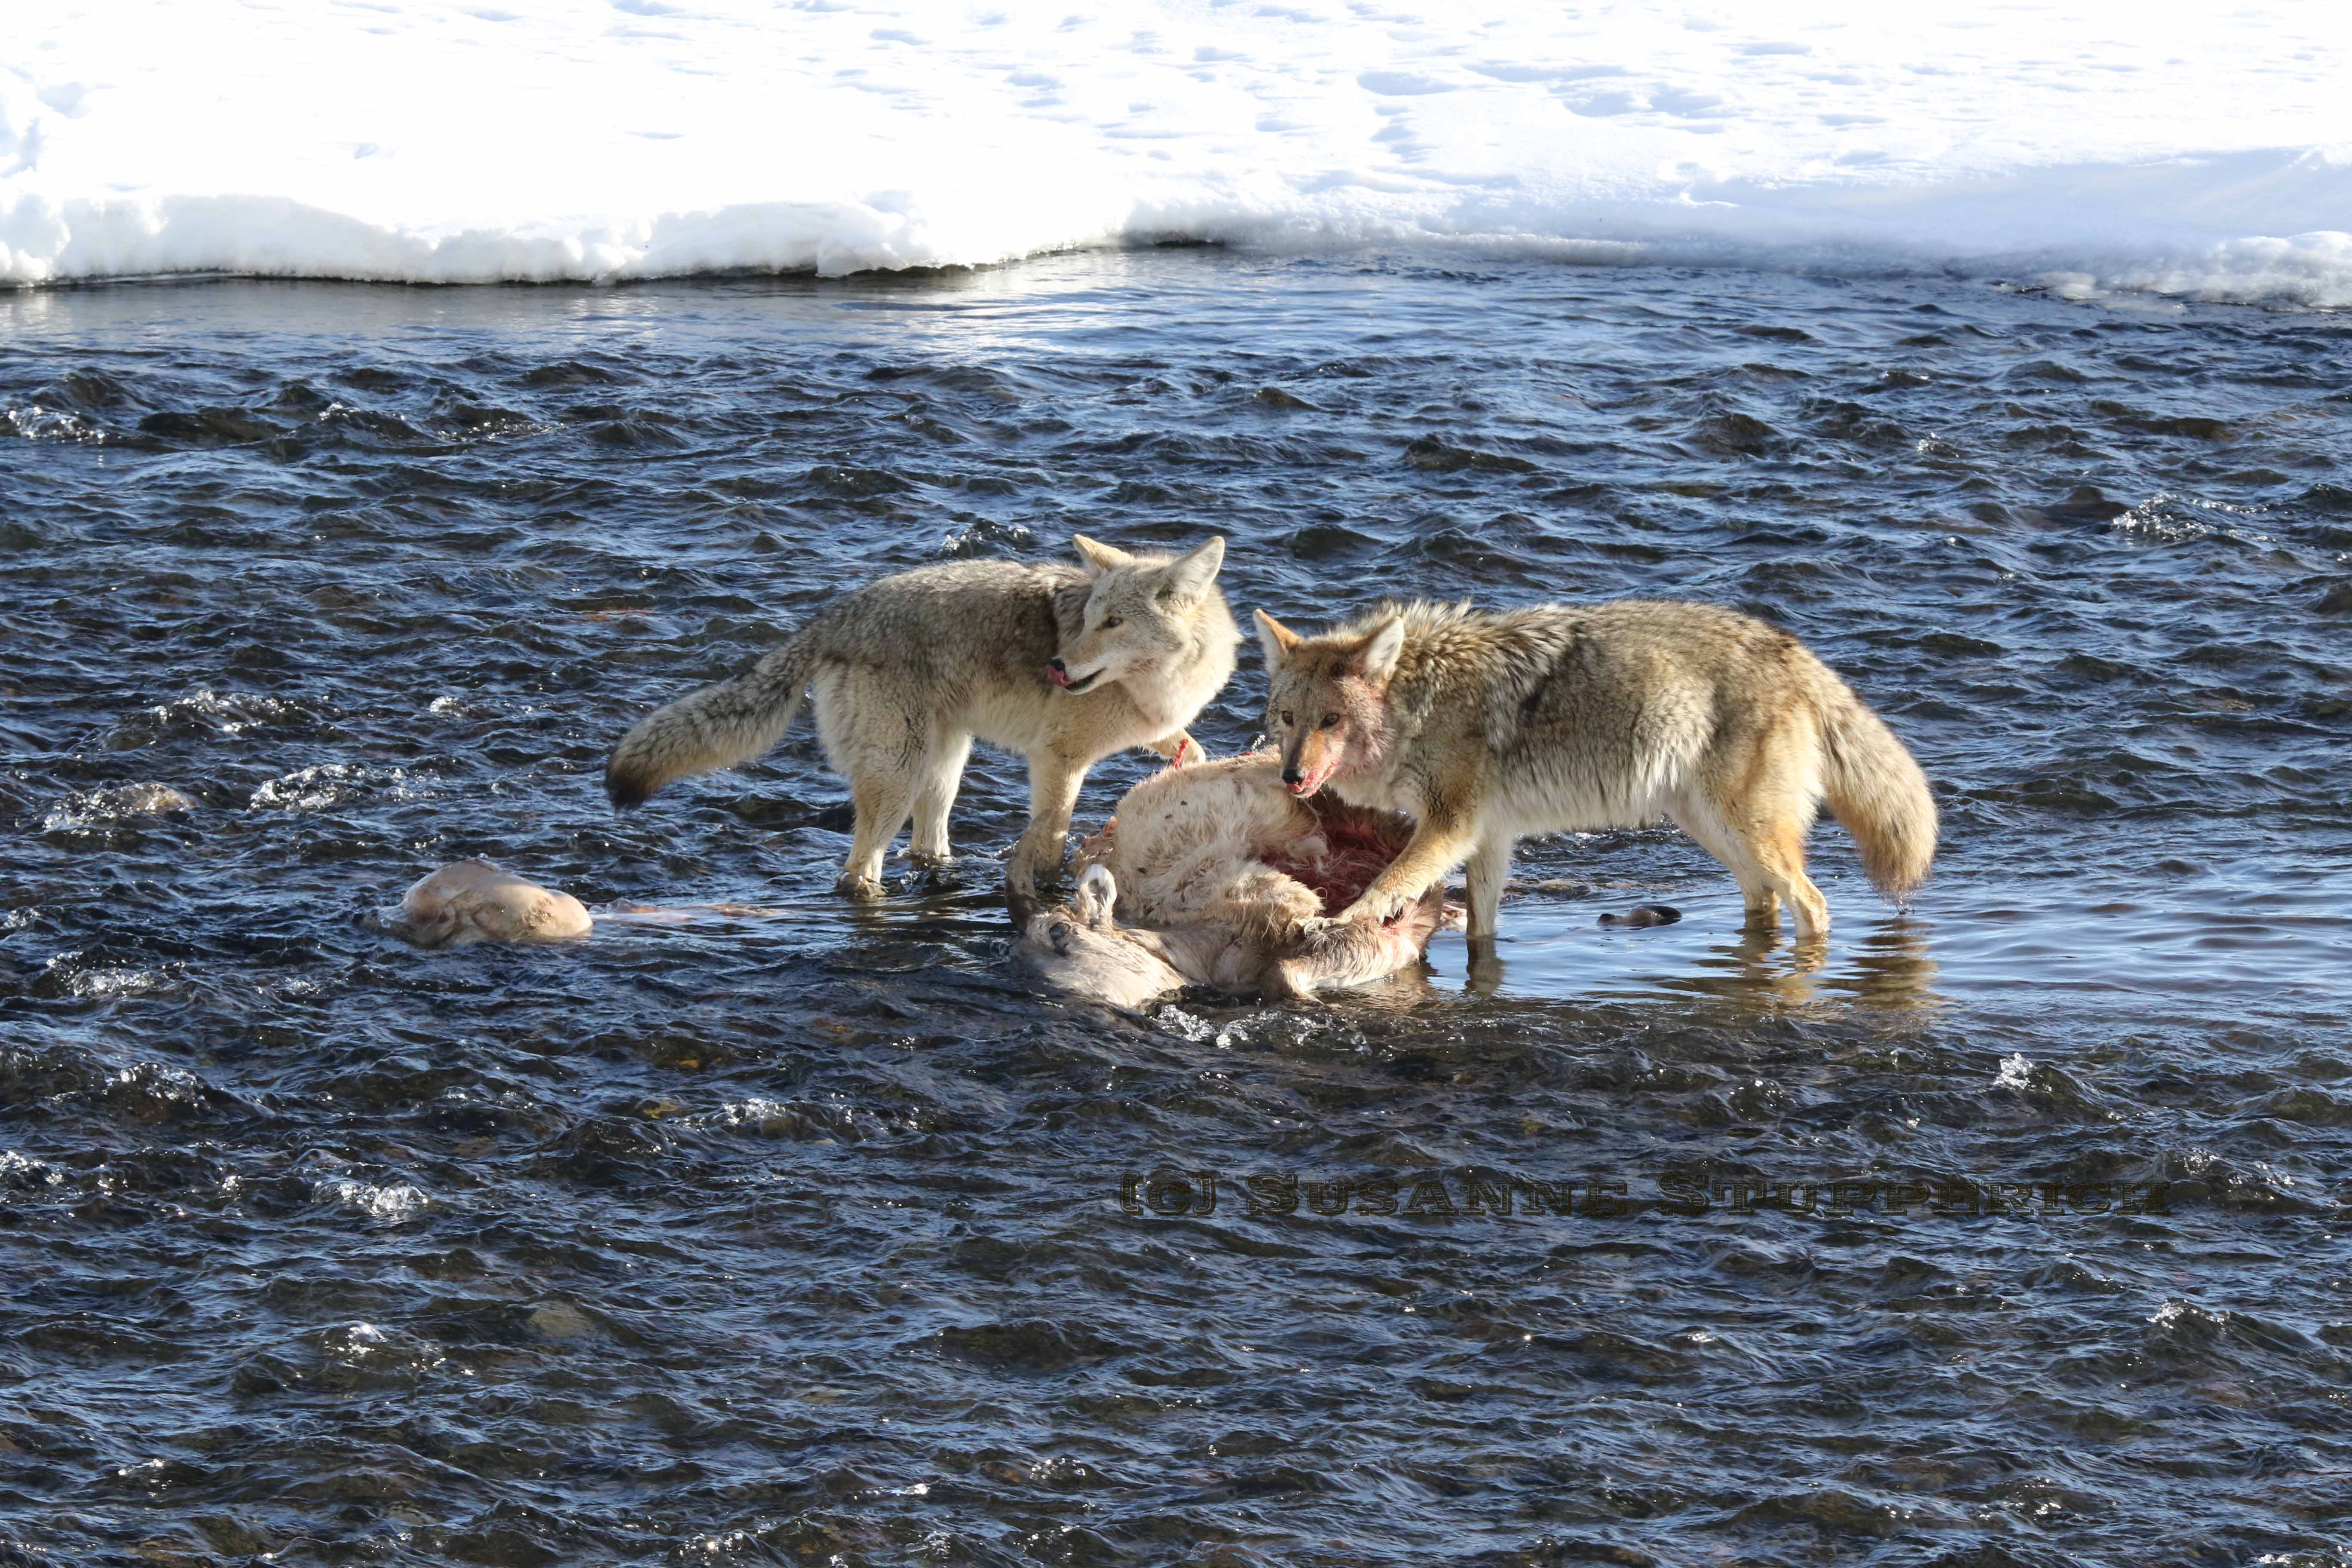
802	1239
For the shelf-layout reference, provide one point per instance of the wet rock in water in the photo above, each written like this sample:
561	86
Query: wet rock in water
2336	601
119	813
142	800
473	900
118	804
562	1320
1645	915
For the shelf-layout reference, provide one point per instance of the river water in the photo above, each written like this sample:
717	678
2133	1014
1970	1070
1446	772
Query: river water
2013	1233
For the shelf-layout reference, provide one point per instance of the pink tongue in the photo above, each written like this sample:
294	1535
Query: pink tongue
1057	676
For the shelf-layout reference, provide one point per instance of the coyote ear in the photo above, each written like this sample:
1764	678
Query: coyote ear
1099	558
1193	571
1276	638
1376	656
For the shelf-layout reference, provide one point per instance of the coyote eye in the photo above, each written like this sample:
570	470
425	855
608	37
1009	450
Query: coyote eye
1331	721
1287	721
1109	622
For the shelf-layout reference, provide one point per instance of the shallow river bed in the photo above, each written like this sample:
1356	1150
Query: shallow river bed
818	1238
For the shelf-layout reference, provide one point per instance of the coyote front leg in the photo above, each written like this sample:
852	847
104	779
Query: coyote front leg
1179	749
1053	794
1438	845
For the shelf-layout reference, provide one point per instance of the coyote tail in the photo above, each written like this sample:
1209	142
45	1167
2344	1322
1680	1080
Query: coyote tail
719	726
1875	788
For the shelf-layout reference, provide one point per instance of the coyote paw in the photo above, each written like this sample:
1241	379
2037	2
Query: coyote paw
865	889
1023	876
1031	870
1289	982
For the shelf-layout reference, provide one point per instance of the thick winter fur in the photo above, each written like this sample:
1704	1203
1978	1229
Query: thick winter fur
1224	841
1195	844
1487	726
1063	664
1220	868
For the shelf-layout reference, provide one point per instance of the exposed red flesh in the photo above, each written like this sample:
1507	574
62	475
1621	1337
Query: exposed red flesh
1360	852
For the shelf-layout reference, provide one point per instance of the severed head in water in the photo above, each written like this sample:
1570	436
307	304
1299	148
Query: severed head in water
473	900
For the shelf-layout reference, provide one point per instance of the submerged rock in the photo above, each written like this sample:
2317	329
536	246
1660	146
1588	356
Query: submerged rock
141	800
473	900
121	803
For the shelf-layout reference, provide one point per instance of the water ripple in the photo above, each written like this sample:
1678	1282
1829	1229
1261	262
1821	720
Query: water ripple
2010	1231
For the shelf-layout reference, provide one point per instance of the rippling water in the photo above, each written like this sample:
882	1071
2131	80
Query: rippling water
815	1238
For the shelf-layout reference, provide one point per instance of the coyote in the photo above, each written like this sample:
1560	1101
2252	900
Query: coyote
1062	664
1489	727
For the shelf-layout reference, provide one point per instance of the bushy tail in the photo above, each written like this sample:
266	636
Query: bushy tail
1876	789
716	727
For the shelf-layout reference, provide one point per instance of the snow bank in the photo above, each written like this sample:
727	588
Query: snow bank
2091	146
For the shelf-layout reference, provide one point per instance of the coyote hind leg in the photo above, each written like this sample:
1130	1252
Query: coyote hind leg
940	774
875	740
1752	805
1732	847
1779	847
1488	869
1775	811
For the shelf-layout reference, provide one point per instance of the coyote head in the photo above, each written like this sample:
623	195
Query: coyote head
1143	612
1326	704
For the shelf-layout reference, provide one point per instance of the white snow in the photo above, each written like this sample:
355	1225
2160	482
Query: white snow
2086	146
